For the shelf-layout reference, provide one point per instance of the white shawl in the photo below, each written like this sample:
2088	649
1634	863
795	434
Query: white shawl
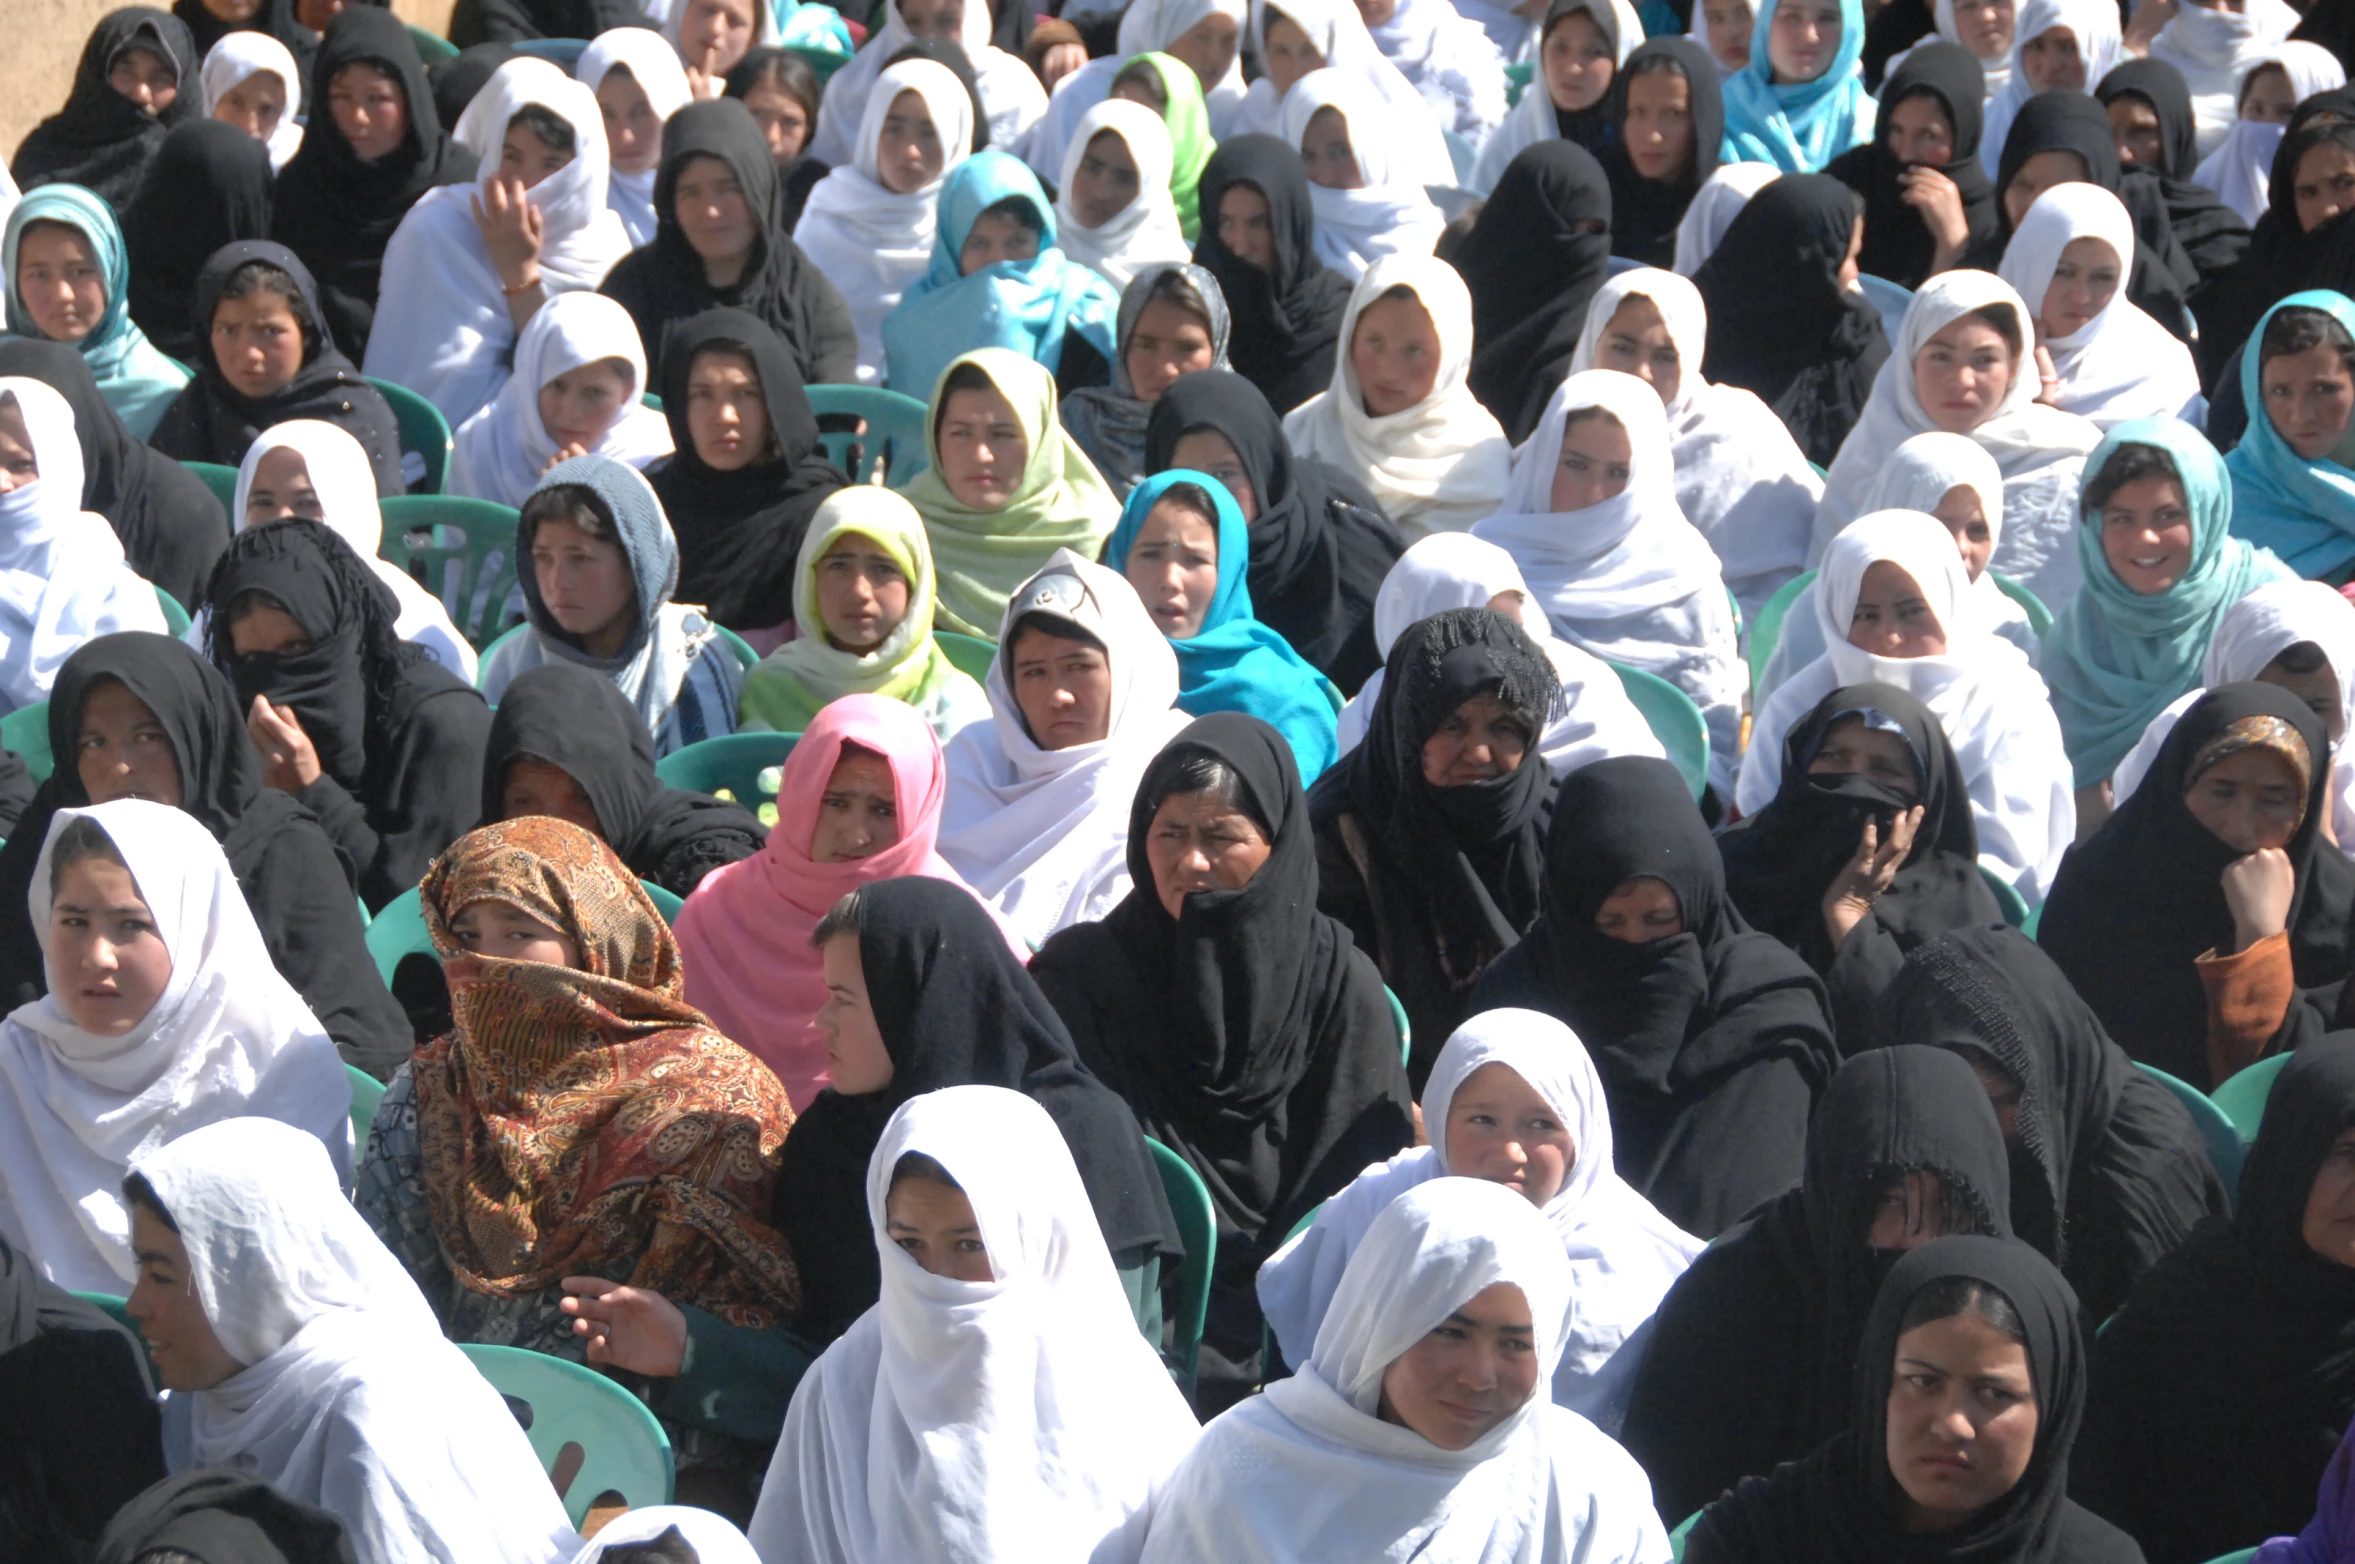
1629	579
1311	1472
2240	171
246	53
2093	23
1437	466
1011	97
2041	449
1533	119
2214	49
655	67
1715	206
1996	711
1143	233
713	1539
1021	1418
350	1398
502	450
1389	214
1042	834
228	1037
1342	42
1623	1253
1146	27
1450	60
1997	72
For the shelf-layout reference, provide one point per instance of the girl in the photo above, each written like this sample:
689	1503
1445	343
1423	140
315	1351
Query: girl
639	84
2291	478
1725	29
1173	322
1259	243
250	82
1165	85
1952	479
2240	169
2111	362
1538	249
2150	114
711	36
68	278
126	94
782	91
1581	46
2057	46
1367	206
1012	101
1927	198
579	372
211	188
1115	214
2215	47
1203	35
1669	119
1313	35
1799	102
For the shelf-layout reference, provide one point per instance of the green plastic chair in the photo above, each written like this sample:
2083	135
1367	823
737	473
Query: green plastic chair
2244	1556
971	654
1676	1538
2035	921
432	48
664	902
2216	1131
2039	616
582	1425
424	434
894	436
746	657
2007	897
1769	628
221	480
563	51
2242	1099
467	545
367	1092
26	730
1517	79
1189	1199
730	766
1406	1033
1675	721
175	617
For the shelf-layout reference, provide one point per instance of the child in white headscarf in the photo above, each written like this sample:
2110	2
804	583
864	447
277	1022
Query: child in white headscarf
1448	58
1368	202
1205	34
576	390
2240	170
1119	146
1297	37
2215	46
2057	46
639	83
253	71
1011	97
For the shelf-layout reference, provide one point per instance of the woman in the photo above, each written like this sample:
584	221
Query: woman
1006	487
1173	322
2150	112
1363	1454
2240	169
1173	90
1537	252
2110	361
1315	35
1399	415
1513	1100
1591	518
1011	99
1927	199
917	1431
2296	246
1259	243
2290	485
1115	214
1713	1040
211	188
1715	205
68	279
2214	50
1183	545
1367	203
716	246
1579	50
377	740
2205	921
2057	46
163	1015
782	91
573	392
1670	121
1799	103
639	84
1204	35
136	80
250	81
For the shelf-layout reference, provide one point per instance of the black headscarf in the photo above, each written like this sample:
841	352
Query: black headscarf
662	283
955	1009
2211	234
2108	1171
1645	212
1287	324
1897	244
171	526
212	421
2282	257
1533	260
1895	28
2330	23
1780	324
578	722
2138	903
275	17
1842	1504
209	186
740	532
101	140
1752	1349
2222	1390
225	1517
1590	129
337	212
512	21
456	81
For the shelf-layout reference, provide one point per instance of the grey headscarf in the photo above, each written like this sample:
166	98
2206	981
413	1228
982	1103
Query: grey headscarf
1109	422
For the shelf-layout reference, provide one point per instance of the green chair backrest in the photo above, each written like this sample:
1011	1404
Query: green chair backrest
482	660
2244	1556
971	654
398	930
461	550
746	657
432	48
564	51
2039	616
592	1436
1769	628
119	1311
1517	79
26	730
424	434
175	617
2242	1099
665	902
221	480
2007	897
1676	722
1406	1033
2035	920
1189	1199
894	434
740	766
2216	1131
367	1092
1684	1529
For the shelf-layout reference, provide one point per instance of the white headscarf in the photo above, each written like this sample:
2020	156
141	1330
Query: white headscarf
1623	1253
1339	35
1533	119
870	240
1714	207
2214	49
1997	72
1437	466
1996	711
1042	834
1698	31
674	18
2094	24
1457	570
960	1422
350	1398
2040	449
482	125
1143	233
63	580
228	1037
1741	479
502	450
1146	27
2240	171
1011	97
1311	1472
655	67
246	53
712	1538
2121	364
1389	214
1451	61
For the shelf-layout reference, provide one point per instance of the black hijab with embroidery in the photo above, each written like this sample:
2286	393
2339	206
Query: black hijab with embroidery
1898	245
208	187
1287	324
101	140
1532	262
1645	212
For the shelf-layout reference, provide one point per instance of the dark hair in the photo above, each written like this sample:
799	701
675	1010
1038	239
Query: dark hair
2241	99
139	1193
1174	287
2301	657
1958	1208
2297	327
2316	131
1189	768
1395	292
1593	19
1579	415
1021	209
964	376
1049	624
1949	1296
1138	73
550	126
261	277
843	917
175	1556
1191	498
59	225
782	70
914	1164
2129	463
82	839
575	504
2005	321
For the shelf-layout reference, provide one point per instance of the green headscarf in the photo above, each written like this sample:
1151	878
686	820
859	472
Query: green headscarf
1190	141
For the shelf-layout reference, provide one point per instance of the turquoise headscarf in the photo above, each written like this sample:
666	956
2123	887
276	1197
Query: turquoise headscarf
2116	658
1235	663
1803	126
2304	511
1025	306
133	374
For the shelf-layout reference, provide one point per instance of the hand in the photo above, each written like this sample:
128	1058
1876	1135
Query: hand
564	455
707	81
1940	204
1060	61
626	1327
1850	897
289	763
2149	17
2258	889
2048	378
512	230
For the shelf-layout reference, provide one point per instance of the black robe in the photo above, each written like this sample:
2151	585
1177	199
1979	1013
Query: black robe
101	140
513	21
1532	262
1897	244
2210	233
224	1517
209	186
1286	330
2282	257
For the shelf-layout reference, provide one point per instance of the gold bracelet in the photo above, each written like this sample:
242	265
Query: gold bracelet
525	288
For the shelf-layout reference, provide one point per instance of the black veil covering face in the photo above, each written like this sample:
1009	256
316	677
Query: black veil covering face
1898	245
101	140
1532	262
1287	323
1645	212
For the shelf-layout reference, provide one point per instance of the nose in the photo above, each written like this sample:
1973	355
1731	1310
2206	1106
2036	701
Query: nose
1481	1372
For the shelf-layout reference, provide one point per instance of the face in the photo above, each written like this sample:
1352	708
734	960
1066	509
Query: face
2250	800
2325	185
862	594
1984	27
1105	181
59	280
255	105
2267	96
1169	340
2318	688
1803	40
1142	88
1395	354
1852	264
2147	534
858	813
1244	228
1376	13
263	631
983	450
712	212
1965	515
727	412
507	932
257	343
17	464
2084	281
1595	463
1208	48
1476	1368
1324	147
123	751
933	18
633	131
1658	130
107	961
1578	63
935	1226
721	26
1290	55
2037	175
2053	61
1729	23
909	152
370	110
1199	842
996	237
1962	1419
782	120
1892	618
181	1345
146	78
1063	689
1920	132
1174	566
524	157
1209	452
1962	374
1851	749
585	581
855	1054
1909	1213
1501	1130
1640	911
2329	1227
2135	125
1479	741
533	787
2309	397
232	11
580	405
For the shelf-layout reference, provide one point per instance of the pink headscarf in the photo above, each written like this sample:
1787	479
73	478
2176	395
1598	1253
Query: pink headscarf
745	933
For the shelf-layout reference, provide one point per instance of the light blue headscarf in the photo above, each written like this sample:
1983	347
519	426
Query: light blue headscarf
1802	126
1235	663
1026	306
2116	658
133	374
2304	511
